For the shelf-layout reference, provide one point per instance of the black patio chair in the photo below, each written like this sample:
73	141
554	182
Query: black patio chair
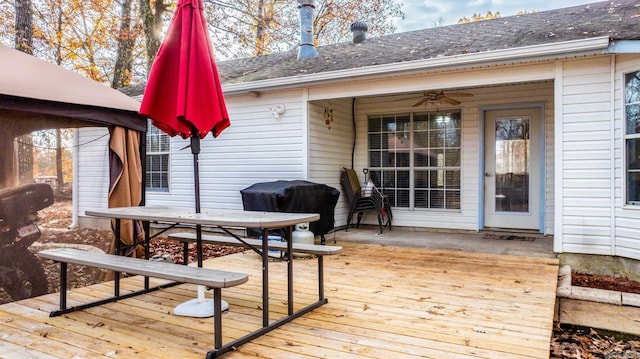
376	202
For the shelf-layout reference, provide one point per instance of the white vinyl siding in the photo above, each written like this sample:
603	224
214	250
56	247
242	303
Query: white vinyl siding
330	146
627	217
257	147
93	168
586	154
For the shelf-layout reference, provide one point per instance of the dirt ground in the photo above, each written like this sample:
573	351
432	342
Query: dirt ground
567	341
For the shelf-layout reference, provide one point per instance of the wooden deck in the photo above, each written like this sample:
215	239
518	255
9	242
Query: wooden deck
384	302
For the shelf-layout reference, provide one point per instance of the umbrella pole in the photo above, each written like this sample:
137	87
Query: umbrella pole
195	150
199	307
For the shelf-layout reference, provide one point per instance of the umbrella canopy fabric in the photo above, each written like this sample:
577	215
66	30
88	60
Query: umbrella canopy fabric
183	95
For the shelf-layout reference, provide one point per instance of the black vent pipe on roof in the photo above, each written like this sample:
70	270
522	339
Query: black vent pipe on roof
359	30
307	49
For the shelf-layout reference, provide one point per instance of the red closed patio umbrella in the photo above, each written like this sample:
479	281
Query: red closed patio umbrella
183	97
183	94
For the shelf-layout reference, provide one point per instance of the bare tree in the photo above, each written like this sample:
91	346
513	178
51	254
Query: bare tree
152	23
259	27
24	43
126	40
24	26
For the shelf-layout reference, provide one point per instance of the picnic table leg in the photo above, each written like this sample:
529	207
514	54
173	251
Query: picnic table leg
147	244
265	278
199	244
185	253
289	270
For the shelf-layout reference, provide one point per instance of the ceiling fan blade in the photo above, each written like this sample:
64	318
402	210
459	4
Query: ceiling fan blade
421	102
450	100
458	94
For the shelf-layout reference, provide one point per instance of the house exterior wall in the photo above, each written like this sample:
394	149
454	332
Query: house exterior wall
505	96
581	99
627	217
257	147
330	146
594	216
93	172
586	197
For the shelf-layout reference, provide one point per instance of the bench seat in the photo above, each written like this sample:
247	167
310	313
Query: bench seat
176	272
316	249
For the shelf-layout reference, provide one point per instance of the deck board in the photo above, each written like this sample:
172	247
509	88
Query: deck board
384	301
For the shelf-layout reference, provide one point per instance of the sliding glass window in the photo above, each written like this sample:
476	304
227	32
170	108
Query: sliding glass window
414	158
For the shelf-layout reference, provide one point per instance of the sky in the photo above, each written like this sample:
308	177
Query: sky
422	14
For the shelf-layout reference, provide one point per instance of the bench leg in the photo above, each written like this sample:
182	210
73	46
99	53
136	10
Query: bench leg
63	299
116	284
63	286
320	278
217	317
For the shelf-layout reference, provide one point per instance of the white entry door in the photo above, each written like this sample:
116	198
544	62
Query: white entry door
512	168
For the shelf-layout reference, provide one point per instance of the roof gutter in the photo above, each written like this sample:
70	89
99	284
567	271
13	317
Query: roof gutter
625	47
596	44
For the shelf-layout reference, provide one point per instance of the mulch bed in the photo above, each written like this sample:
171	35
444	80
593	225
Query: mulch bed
606	282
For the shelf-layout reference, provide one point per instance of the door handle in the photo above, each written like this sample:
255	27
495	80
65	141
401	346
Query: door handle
488	174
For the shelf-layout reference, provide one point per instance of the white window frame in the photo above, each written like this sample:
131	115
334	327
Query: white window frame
628	137
152	153
412	168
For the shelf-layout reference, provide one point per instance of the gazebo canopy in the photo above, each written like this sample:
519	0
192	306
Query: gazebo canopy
37	95
31	88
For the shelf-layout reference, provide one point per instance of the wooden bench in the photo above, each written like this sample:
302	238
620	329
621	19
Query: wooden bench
214	279
315	249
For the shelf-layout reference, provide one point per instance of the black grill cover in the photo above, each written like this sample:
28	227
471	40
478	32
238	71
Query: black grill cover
294	197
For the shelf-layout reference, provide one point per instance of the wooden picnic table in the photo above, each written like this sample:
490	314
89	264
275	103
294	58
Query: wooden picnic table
224	218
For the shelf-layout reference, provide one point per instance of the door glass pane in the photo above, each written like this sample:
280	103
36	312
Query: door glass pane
512	165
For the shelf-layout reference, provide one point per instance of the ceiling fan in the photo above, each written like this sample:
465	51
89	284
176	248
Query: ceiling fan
441	96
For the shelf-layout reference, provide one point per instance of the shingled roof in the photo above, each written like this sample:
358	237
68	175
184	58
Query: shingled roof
618	20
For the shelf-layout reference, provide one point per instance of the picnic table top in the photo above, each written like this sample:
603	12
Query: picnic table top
207	217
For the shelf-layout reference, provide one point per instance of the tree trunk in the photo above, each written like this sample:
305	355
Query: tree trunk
59	173
24	43
7	161
58	44
152	24
124	62
259	49
24	26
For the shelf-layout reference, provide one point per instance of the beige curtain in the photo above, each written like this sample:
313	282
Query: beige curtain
125	189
